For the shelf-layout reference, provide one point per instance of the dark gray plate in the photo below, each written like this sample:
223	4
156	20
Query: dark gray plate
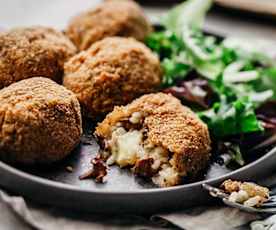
54	185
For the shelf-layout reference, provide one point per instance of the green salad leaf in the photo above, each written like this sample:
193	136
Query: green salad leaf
256	50
225	119
186	14
171	51
239	73
174	70
236	155
186	21
267	81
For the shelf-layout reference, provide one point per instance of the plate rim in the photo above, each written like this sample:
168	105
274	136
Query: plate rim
69	187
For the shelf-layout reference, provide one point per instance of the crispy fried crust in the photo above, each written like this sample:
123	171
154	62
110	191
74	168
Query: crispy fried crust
170	125
33	51
112	72
40	121
111	18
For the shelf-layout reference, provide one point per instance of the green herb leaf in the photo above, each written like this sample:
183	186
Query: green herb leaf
210	69
267	81
166	44
173	70
226	119
188	13
235	153
255	50
240	75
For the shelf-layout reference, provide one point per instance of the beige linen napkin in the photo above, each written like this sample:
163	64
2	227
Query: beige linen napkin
16	213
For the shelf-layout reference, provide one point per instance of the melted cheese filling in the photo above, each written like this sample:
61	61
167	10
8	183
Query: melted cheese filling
127	147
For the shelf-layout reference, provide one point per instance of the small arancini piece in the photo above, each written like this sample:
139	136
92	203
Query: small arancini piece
33	51
247	193
112	72
40	121
111	18
157	136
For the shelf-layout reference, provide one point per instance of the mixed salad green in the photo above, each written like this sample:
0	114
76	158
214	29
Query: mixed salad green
224	80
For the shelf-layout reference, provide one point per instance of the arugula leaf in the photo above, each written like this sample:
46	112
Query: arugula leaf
187	14
226	119
234	112
255	50
236	155
170	50
204	53
267	81
185	20
166	44
202	47
173	70
175	55
247	90
210	70
229	152
228	55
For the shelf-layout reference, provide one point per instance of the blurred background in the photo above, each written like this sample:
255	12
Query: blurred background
229	17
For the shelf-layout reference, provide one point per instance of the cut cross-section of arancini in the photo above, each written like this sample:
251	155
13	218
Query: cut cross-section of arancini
157	137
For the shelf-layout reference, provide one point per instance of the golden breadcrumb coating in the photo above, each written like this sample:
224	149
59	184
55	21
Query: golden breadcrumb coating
170	125
111	18
112	72
33	51
40	121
